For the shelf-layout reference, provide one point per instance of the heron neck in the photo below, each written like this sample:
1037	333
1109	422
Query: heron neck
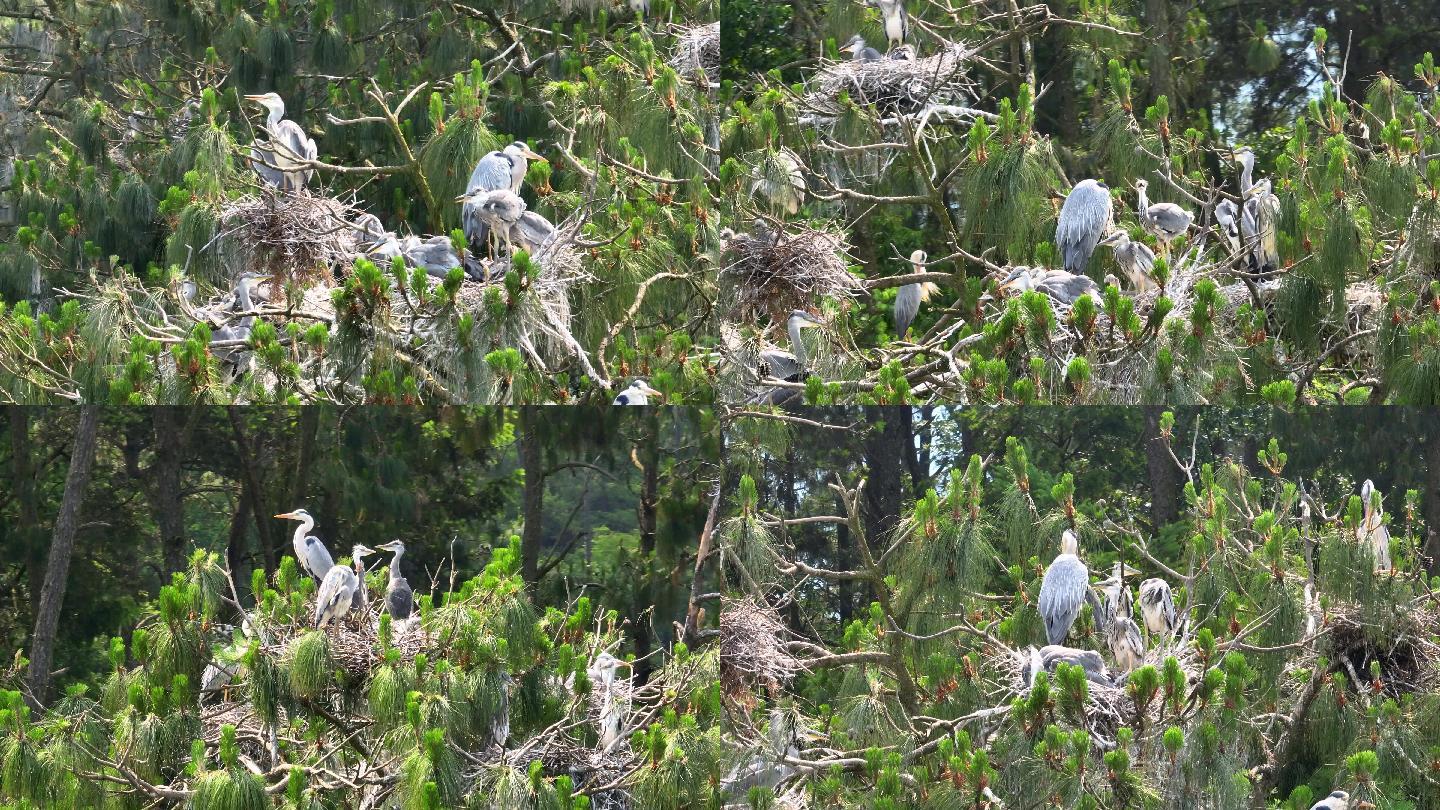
395	575
306	524
1247	175
796	345
1144	199
276	114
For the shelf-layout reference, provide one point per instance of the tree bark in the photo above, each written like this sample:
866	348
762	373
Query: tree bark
22	467
254	495
1157	23
884	445
1431	499
1164	477
62	546
532	461
164	484
648	453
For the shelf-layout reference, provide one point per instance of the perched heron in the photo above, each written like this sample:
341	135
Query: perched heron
1262	211
1136	259
1111	590
241	329
613	696
309	551
1047	658
896	23
435	254
781	181
372	238
504	212
361	602
768	769
1158	607
1227	217
1063	589
501	169
637	393
1372	526
1062	286
907	301
859	51
281	161
640	7
1123	636
788	366
1337	800
1084	219
336	596
399	599
1165	221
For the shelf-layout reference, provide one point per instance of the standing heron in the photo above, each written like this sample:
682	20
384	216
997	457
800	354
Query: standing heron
1262	212
1061	286
895	21
1372	526
1136	259
501	169
1123	635
337	594
613	696
1165	221
361	602
1063	589
1337	800
504	212
1084	219
1111	590
309	551
780	180
1227	218
281	161
637	393
859	51
399	599
1158	607
907	301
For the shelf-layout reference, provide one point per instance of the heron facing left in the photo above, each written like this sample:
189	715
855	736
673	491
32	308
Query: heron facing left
309	551
281	161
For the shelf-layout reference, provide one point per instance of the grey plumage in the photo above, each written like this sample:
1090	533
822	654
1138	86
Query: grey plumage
894	20
1084	219
1062	286
1062	590
790	366
337	593
1262	210
1157	605
504	212
502	169
1049	657
436	254
1123	635
312	555
1337	800
1372	527
780	179
361	601
279	160
233	356
1136	259
637	393
910	296
1227	219
399	598
1165	221
859	51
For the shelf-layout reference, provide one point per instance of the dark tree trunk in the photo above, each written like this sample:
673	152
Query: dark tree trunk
532	461
885	441
235	545
309	429
164	484
22	481
62	546
1163	475
1157	24
648	453
1431	500
253	493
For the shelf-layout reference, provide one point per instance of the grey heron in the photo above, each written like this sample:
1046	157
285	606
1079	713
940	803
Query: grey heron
640	7
908	299
768	768
336	596
790	366
1060	285
894	20
613	696
859	51
399	599
1084	219
504	212
501	169
904	53
1136	259
1337	800
241	329
309	551
1123	635
1063	589
372	238
1262	212
1165	221
361	602
1372	527
435	254
1047	658
1227	218
281	161
1157	605
781	181
637	393
1111	590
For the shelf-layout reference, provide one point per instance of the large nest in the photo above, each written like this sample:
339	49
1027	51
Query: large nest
290	236
354	645
754	650
893	86
1409	660
588	768
772	274
697	52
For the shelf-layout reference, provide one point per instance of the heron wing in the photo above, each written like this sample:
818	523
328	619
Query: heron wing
317	557
400	600
263	160
907	304
1267	215
783	364
1062	592
335	590
492	173
1083	220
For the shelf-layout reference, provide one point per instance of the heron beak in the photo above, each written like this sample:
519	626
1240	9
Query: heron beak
849	48
651	392
529	153
290	515
462	198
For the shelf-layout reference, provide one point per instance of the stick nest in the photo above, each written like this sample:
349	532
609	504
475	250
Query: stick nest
894	86
1409	659
770	274
697	52
356	649
753	649
289	236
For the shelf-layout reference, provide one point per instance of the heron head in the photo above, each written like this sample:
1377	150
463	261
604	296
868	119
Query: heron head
1244	155
918	258
360	551
644	388
1069	542
394	546
1142	184
800	319
1019	280
1115	237
522	149
853	45
1260	189
298	514
270	101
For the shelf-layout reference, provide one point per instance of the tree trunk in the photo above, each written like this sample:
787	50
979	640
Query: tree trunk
62	545
254	495
1157	24
164	484
648	453
1431	500
1163	475
235	545
532	461
22	479
309	430
884	446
